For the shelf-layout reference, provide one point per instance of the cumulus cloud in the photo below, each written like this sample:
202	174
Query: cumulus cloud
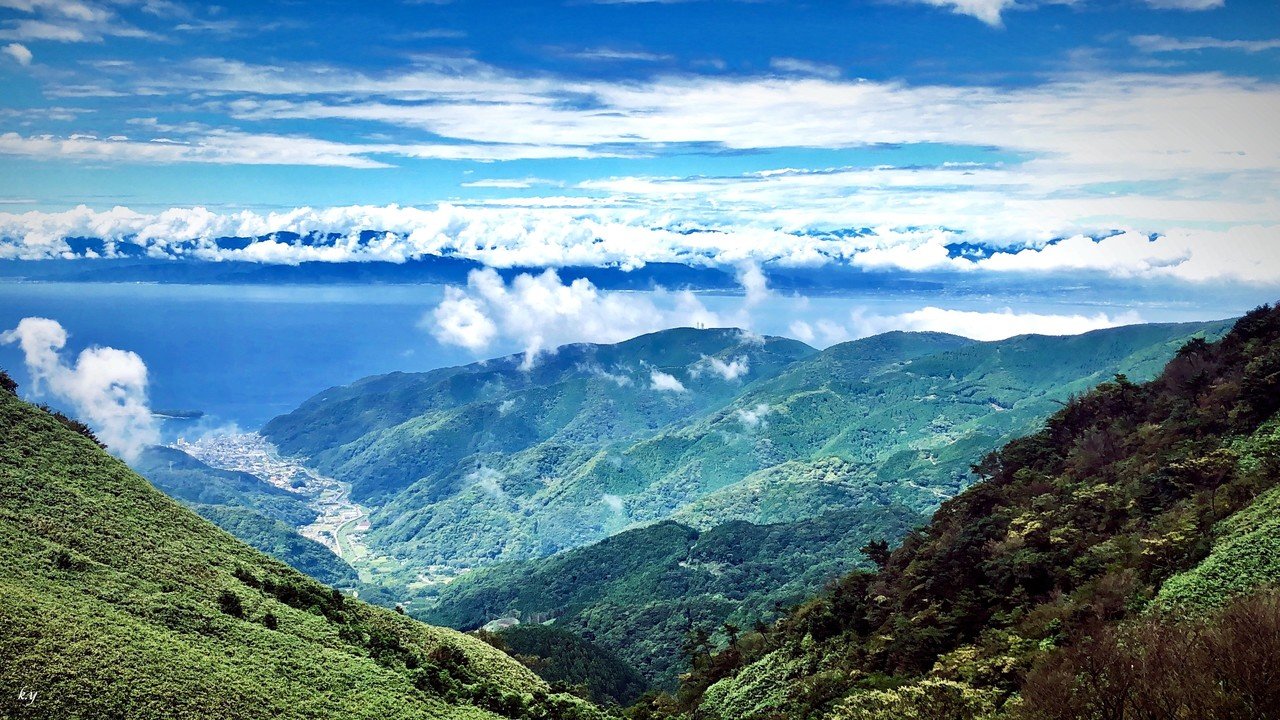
754	417
729	370
19	52
664	382
540	312
106	387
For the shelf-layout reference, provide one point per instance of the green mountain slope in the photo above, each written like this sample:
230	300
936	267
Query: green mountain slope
905	414
642	592
1040	578
566	660
264	516
116	601
498	461
475	464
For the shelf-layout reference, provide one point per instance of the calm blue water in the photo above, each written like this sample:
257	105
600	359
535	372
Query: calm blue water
243	354
239	354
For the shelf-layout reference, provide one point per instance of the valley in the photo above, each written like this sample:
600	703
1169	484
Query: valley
500	490
339	522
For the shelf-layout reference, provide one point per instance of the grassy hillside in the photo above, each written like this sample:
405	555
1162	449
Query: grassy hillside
643	593
262	515
1030	594
118	602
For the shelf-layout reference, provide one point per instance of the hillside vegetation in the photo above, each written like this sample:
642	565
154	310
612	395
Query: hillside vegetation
568	661
506	460
1093	566
116	602
642	593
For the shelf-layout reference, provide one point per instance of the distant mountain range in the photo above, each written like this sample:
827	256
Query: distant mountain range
504	461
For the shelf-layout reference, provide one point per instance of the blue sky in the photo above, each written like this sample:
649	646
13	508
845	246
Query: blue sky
1129	139
982	167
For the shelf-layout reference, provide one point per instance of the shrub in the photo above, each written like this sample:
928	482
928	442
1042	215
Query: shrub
230	604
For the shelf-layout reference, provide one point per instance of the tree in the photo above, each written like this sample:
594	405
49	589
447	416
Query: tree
877	551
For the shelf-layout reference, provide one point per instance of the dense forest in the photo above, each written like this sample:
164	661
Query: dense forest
641	592
1115	564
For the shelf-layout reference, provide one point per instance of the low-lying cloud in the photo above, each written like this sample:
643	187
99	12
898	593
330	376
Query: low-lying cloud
727	370
106	387
894	234
754	417
665	382
995	325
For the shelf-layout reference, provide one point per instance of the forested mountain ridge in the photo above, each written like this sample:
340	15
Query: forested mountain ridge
1031	593
641	592
507	460
117	601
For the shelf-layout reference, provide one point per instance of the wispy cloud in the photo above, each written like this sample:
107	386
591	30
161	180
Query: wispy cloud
72	21
608	54
1164	44
1186	4
804	67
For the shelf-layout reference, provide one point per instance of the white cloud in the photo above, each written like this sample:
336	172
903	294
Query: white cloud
1186	4
727	370
820	333
613	502
541	313
19	52
106	387
239	148
1121	122
629	238
664	382
618	378
995	325
754	283
1096	152
754	417
804	67
66	21
608	54
487	480
988	11
1164	44
461	320
509	183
